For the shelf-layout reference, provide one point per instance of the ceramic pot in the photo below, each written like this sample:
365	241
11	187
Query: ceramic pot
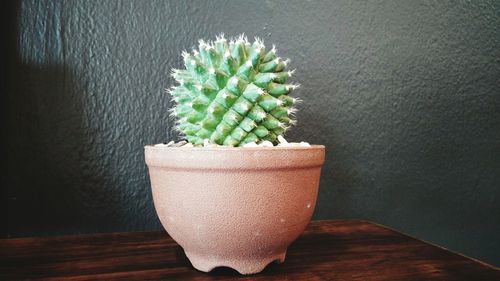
235	207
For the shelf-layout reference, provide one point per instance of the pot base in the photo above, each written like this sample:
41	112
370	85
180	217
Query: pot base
248	265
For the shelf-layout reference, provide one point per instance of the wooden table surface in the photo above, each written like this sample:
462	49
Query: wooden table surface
328	250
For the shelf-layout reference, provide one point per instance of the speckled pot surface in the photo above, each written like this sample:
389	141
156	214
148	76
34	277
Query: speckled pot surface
235	207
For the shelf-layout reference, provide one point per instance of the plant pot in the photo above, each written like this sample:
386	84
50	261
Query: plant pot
235	207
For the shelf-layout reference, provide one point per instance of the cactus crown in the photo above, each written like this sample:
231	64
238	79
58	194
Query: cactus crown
232	93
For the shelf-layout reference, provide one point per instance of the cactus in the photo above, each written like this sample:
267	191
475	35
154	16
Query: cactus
232	93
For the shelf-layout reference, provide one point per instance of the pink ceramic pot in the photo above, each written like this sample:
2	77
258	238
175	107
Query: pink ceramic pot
235	207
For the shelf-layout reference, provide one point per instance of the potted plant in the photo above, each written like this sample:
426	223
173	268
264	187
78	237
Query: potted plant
236	194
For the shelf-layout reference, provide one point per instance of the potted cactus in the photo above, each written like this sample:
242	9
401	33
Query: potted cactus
236	194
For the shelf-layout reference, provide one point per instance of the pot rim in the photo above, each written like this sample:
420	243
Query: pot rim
233	148
235	158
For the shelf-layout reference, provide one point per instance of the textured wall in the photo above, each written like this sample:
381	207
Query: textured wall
404	94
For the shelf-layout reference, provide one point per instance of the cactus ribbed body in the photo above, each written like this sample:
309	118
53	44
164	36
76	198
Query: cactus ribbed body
232	93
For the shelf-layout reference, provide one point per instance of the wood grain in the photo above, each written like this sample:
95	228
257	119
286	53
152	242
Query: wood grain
328	250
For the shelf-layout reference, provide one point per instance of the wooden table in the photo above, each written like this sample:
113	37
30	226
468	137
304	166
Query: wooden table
328	250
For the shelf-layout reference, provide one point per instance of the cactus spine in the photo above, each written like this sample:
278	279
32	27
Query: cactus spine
232	93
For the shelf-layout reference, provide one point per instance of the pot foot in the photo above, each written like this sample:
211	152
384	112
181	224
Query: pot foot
244	266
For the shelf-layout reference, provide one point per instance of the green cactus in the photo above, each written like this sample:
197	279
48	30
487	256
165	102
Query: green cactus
232	93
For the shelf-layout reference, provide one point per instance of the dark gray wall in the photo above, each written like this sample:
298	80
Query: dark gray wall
404	94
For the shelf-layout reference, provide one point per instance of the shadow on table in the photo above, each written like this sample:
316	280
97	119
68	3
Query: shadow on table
308	247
